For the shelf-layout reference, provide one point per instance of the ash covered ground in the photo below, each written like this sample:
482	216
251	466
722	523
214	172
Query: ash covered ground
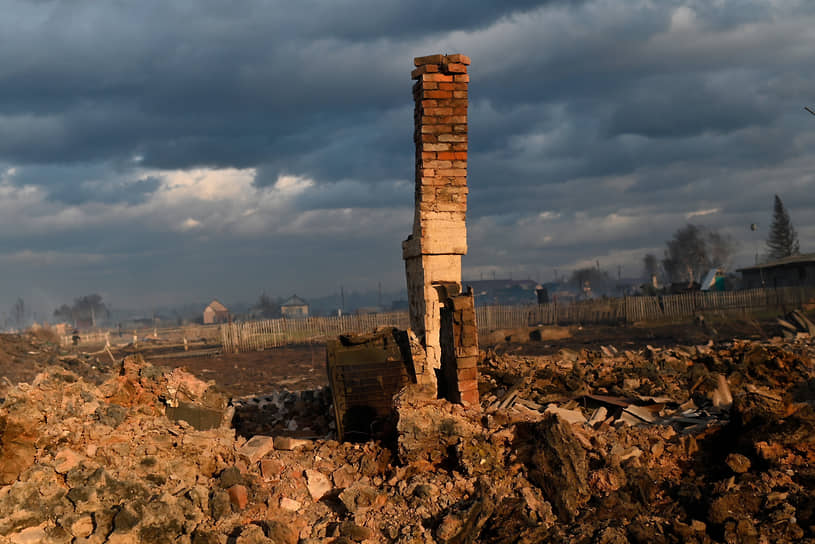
666	434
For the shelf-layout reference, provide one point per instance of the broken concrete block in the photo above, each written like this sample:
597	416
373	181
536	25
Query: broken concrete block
256	448
318	484
570	416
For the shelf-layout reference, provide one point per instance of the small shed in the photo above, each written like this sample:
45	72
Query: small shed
793	271
215	313
295	307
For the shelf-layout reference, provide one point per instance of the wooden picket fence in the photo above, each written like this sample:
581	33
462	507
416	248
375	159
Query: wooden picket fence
259	335
204	334
271	333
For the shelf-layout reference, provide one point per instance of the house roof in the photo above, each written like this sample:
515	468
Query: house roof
217	306
792	259
295	301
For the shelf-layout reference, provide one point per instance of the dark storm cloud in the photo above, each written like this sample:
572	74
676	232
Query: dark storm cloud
596	129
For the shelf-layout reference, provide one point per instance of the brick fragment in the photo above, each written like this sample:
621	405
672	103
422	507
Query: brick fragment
238	496
470	397
459	58
456	67
431	59
424	69
458	78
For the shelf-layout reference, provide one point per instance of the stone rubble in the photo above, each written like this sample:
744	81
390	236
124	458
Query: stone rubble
697	443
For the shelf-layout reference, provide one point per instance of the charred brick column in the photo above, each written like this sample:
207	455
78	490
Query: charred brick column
433	251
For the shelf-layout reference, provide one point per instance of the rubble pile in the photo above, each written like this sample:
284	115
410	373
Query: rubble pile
697	443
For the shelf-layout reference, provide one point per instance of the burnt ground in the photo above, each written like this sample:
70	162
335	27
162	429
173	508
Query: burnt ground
302	367
293	368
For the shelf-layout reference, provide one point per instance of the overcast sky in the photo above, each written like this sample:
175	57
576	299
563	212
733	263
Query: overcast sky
163	152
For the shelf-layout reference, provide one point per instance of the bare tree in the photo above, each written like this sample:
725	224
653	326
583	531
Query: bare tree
89	309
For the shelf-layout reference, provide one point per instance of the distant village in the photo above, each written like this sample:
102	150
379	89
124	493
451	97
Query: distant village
90	312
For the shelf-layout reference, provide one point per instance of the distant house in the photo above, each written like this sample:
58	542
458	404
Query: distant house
793	271
294	308
215	313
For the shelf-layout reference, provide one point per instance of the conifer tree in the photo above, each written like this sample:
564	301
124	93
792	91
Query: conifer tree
782	240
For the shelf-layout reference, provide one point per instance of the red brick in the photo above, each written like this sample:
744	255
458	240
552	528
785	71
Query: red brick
459	147
470	397
239	496
427	68
461	110
451	172
439	94
456	68
459	94
441	78
459	164
453	119
447	87
430	155
447	155
438	111
459	138
433	59
460	155
438	164
465	361
459	128
437	147
458	78
457	181
463	59
431	86
468	385
464	374
430	103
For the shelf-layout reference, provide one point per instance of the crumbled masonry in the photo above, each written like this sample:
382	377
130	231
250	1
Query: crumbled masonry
631	442
440	351
440	314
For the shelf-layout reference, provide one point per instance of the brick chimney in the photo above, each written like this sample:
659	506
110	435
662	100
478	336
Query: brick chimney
432	253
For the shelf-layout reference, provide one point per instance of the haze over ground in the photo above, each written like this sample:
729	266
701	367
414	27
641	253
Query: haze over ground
160	152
